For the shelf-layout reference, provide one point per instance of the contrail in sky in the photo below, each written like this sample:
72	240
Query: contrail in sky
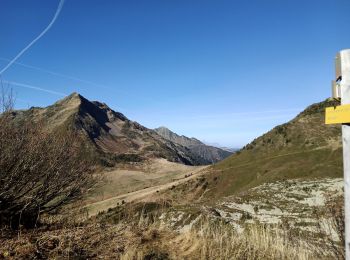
34	87
56	73
59	8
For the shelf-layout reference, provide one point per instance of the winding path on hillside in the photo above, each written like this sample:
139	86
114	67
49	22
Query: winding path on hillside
100	206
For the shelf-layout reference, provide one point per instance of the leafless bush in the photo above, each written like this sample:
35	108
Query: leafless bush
39	171
6	98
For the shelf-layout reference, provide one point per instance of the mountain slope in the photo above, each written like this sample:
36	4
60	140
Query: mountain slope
303	148
229	149
109	136
207	153
171	136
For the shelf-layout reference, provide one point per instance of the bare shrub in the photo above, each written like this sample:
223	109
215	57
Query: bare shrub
7	99
39	171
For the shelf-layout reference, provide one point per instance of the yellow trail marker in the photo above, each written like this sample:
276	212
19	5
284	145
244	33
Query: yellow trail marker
338	114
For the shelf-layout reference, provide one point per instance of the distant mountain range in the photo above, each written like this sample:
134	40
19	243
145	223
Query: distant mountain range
229	149
208	153
110	137
226	148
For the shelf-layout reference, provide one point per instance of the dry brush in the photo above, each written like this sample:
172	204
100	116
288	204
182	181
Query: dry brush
39	171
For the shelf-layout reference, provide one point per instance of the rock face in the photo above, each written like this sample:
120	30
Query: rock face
171	136
108	136
206	153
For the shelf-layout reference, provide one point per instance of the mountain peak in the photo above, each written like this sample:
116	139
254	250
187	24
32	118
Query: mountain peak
318	107
109	136
170	135
74	99
163	127
74	95
163	130
208	153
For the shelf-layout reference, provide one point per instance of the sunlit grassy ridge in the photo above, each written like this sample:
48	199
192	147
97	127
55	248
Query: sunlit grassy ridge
303	148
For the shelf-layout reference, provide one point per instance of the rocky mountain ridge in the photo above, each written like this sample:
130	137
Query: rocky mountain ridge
109	136
208	153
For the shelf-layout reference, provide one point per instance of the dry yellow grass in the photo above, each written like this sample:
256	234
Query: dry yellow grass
146	237
127	178
217	240
131	185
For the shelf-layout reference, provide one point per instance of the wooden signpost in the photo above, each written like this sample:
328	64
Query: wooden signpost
341	115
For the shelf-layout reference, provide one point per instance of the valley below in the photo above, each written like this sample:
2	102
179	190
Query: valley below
119	186
159	195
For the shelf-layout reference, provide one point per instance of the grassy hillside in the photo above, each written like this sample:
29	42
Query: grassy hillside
303	148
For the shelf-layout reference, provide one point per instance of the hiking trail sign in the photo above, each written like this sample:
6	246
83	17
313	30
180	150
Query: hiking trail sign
338	114
341	115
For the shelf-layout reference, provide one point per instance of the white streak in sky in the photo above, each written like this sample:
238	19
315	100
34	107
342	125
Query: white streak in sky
56	73
13	83
59	8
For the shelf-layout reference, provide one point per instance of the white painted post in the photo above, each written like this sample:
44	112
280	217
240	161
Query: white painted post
344	57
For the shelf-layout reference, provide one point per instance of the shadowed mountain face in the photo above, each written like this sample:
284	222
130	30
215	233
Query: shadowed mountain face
208	153
302	148
108	136
171	136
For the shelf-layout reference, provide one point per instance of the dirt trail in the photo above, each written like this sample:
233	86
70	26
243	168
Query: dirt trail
96	207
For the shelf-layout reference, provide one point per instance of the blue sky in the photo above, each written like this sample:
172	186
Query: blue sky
223	71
